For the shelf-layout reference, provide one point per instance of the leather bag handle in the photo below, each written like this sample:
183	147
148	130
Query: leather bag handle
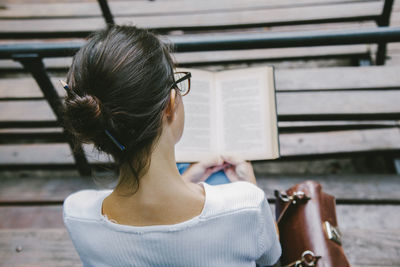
288	200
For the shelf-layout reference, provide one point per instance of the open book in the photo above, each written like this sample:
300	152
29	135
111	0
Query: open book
230	112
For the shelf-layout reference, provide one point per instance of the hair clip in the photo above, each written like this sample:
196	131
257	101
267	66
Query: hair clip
65	85
122	147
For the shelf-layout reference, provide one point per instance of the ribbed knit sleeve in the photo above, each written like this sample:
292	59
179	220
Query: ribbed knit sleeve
268	241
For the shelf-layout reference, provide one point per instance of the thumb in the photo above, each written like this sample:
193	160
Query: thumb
234	160
231	174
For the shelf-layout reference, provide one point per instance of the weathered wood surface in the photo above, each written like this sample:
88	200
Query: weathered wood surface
236	56
349	217
321	79
355	216
339	142
273	54
291	145
53	187
364	247
60	130
145	8
338	102
46	247
372	247
316	125
363	103
47	186
258	16
22	217
373	77
371	232
319	124
323	26
43	135
358	187
138	1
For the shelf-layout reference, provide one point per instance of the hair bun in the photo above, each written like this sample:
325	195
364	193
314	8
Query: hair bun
84	117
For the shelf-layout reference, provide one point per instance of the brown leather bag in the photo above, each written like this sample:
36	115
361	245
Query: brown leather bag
308	228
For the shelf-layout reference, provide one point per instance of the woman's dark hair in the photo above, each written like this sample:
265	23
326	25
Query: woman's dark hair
120	81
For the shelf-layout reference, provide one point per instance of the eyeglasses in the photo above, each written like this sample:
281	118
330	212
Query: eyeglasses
182	82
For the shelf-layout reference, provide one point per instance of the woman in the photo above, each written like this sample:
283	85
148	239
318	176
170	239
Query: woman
124	98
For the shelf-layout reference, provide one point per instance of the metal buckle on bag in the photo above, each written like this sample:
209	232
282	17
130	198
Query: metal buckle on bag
298	195
308	259
333	232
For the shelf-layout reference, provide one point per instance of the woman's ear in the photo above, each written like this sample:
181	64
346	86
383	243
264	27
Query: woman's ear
171	105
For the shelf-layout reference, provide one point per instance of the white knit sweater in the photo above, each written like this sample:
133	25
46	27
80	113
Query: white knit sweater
235	228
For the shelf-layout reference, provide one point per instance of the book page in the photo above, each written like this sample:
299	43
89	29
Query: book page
247	126
199	135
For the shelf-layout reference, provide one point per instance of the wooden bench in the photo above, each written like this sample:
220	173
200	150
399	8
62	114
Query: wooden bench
25	20
78	19
32	111
32	204
323	112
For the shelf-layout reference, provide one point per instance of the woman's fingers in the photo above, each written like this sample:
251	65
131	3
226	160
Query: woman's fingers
243	170
212	170
211	162
215	169
235	168
234	160
209	171
239	170
231	174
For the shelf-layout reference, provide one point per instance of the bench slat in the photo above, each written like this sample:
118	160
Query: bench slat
281	124
339	142
140	1
360	103
20	217
385	217
259	55
55	248
55	186
207	20
373	77
142	8
345	187
291	145
381	123
338	102
286	80
244	56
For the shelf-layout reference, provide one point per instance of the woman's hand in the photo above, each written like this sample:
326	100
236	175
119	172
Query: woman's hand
200	171
238	170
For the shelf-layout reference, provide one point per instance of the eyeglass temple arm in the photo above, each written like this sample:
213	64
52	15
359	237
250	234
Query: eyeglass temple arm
187	76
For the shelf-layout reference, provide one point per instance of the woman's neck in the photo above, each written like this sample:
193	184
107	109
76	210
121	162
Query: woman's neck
162	178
